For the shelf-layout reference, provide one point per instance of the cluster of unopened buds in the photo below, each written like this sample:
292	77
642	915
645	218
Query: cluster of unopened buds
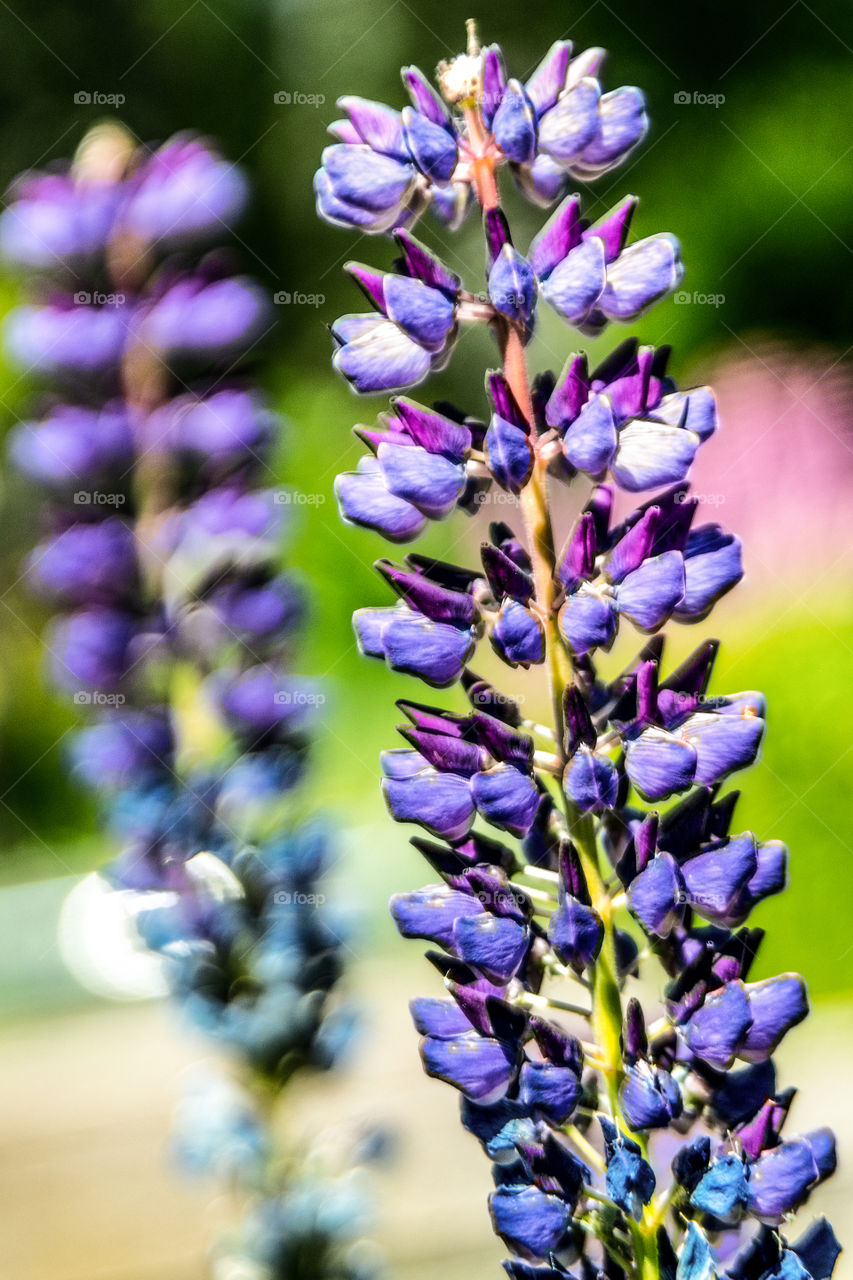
630	1146
176	629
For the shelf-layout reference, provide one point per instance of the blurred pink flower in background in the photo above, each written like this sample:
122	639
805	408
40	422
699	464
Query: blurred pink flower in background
779	473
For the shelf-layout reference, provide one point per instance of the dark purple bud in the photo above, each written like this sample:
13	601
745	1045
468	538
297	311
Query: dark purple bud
579	729
818	1249
549	79
424	97
494	83
570	393
740	1094
423	265
503	743
634	1039
432	431
613	229
556	1045
433	601
561	234
449	754
635	546
504	575
577	561
691	1161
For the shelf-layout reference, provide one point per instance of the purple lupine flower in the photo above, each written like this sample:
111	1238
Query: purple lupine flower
388	166
174	630
613	805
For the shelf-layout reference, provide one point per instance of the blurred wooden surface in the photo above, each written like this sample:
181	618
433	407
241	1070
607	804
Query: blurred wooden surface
85	1102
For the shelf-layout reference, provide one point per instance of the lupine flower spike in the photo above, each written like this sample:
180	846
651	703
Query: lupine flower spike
552	845
175	627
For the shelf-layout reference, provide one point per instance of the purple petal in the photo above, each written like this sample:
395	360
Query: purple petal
649	594
659	764
440	802
496	945
557	238
547	82
479	1067
591	781
432	146
510	458
576	284
363	499
506	798
651	454
656	896
590	442
713	564
587	622
514	126
776	1005
714	1033
643	273
518	635
428	481
569	126
425	314
417	646
530	1222
382	358
432	913
622	124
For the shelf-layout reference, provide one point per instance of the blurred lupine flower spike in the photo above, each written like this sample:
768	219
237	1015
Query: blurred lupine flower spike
175	627
551	845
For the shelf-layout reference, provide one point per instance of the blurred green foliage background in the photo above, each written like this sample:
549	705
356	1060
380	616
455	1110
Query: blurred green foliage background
757	187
